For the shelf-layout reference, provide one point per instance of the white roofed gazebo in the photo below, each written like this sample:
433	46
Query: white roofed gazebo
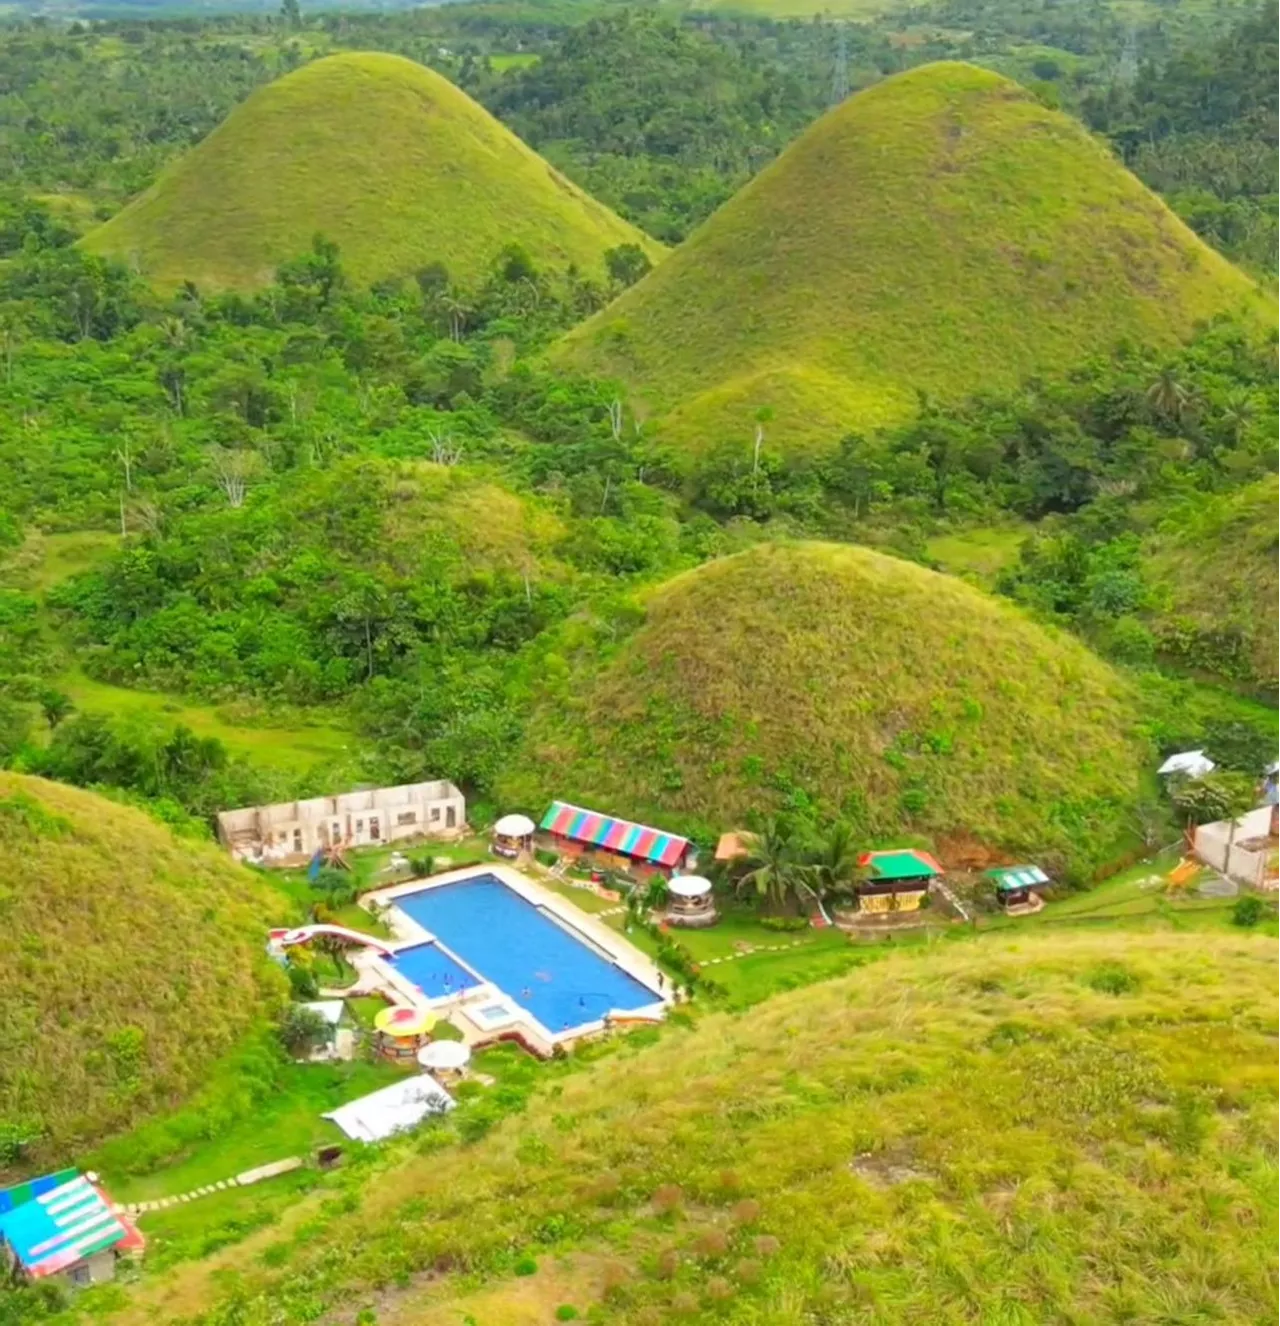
690	901
512	835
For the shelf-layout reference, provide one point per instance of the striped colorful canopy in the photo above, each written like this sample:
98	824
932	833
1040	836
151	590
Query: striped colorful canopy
60	1226
635	840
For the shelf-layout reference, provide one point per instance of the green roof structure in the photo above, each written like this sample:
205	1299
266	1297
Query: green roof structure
1009	878
904	863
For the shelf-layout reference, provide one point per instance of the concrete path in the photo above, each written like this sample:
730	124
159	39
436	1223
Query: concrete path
249	1177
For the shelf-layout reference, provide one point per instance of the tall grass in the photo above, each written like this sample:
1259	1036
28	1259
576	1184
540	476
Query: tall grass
941	232
1000	1131
380	154
829	676
133	961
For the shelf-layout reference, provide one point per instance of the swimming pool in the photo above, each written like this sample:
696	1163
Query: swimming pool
433	971
534	960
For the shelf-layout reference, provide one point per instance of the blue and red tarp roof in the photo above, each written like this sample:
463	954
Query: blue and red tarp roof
51	1228
614	835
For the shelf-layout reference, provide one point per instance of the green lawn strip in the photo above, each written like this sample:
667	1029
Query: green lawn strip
287	1123
978	554
581	898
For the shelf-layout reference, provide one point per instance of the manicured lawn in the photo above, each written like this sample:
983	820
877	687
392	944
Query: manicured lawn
581	898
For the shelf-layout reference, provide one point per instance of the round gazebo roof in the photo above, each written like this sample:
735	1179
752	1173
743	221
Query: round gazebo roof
514	826
689	886
402	1021
447	1056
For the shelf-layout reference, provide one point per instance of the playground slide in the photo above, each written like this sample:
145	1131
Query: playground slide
306	933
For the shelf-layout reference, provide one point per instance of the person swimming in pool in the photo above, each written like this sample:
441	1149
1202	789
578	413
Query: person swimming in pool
526	993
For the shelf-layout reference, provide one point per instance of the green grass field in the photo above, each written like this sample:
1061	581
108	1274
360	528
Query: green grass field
447	183
1013	1128
906	701
941	231
980	554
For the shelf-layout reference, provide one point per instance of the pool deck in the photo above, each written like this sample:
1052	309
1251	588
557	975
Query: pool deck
464	1007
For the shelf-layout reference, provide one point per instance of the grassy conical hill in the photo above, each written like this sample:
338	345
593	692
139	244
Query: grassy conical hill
905	700
940	232
132	961
1214	572
378	153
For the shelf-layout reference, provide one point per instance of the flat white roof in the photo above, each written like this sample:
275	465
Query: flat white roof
382	1113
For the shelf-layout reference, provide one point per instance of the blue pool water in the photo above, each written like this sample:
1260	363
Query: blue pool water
540	966
433	972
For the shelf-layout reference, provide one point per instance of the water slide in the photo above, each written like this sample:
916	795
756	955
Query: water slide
306	933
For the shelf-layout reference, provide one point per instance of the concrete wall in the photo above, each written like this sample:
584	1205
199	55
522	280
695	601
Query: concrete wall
1246	855
379	815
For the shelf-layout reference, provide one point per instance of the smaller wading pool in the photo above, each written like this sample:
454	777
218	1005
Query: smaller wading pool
433	972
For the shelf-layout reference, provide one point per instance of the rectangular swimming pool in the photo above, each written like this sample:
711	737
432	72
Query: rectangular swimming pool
534	960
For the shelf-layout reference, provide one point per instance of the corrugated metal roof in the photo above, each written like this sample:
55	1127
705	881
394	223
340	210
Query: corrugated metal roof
615	835
1017	877
60	1226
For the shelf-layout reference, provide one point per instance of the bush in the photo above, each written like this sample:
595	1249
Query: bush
302	1030
526	1266
1248	911
545	856
422	866
566	1312
1112	978
785	923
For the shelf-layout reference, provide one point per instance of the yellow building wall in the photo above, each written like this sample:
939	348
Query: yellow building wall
878	903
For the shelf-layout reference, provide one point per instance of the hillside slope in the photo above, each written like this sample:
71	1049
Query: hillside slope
378	153
1214	570
940	232
133	960
1001	1131
903	699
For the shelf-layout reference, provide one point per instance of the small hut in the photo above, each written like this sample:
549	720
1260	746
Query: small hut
690	901
897	881
402	1031
1018	888
513	836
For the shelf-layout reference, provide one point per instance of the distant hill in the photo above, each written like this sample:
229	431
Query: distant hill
941	232
378	153
905	700
1214	571
133	960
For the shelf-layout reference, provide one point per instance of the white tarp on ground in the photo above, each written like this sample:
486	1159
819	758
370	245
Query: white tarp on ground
1193	763
394	1108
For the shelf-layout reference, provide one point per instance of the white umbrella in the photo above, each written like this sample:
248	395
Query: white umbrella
444	1056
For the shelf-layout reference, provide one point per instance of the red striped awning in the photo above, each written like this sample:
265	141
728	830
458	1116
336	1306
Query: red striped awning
622	836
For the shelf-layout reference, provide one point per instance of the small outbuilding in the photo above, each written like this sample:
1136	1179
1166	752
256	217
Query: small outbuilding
690	901
513	836
1018	888
62	1227
613	844
897	880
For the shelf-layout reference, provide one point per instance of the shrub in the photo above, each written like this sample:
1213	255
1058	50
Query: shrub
526	1266
1248	911
545	856
746	1212
668	1198
422	865
566	1312
1112	978
302	1030
785	923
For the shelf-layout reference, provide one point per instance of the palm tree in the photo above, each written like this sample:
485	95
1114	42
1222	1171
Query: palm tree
774	871
1167	396
834	870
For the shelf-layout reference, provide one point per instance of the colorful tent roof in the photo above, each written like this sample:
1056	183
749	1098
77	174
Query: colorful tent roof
1008	878
60	1226
587	826
905	863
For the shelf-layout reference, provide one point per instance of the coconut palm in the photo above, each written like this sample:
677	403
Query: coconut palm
1167	395
774	870
834	869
